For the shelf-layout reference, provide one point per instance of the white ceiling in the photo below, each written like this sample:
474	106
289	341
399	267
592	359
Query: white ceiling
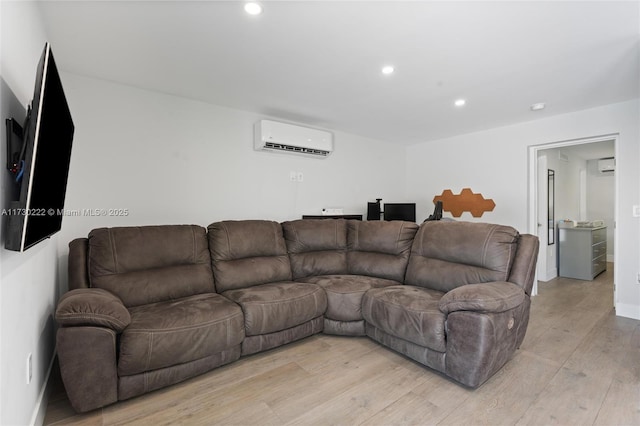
318	63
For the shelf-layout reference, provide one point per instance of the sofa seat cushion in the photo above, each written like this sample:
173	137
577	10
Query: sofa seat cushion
410	313
344	293
277	306
179	331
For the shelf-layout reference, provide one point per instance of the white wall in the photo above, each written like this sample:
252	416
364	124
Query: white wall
567	180
600	200
173	160
495	163
546	267
28	287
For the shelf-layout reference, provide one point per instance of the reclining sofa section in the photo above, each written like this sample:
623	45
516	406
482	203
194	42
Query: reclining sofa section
152	306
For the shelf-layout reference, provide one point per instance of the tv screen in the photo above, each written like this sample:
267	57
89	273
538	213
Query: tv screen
44	161
400	211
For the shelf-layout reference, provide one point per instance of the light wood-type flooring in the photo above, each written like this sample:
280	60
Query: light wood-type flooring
579	364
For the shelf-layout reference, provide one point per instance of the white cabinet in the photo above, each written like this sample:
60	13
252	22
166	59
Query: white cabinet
582	252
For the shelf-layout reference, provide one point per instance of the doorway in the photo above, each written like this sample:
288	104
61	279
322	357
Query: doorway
574	167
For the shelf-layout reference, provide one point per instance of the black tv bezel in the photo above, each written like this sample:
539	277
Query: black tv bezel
21	213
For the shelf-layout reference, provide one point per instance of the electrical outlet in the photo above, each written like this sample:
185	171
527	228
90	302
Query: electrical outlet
300	176
29	368
638	278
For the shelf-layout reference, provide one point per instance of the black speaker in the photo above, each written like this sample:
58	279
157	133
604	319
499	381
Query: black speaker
373	211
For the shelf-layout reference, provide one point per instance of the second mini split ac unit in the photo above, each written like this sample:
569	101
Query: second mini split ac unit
282	137
607	165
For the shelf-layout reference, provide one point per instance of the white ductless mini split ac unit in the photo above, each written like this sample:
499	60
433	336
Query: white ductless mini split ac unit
607	165
282	137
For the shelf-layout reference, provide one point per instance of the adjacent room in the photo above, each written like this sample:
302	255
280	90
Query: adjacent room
519	116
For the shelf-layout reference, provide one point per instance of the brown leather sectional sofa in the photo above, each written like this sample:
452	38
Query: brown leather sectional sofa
152	306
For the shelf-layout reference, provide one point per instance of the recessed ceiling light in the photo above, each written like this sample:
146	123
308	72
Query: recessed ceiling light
537	107
460	102
253	8
388	69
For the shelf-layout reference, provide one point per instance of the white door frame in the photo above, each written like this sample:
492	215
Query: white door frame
533	194
541	223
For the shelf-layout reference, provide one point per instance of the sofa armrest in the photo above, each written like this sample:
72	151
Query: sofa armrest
92	307
88	366
498	296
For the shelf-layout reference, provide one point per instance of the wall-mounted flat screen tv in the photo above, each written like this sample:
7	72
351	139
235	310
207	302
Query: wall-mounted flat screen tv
40	169
400	211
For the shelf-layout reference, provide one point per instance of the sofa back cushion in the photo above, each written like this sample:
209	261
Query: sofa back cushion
247	253
379	249
446	255
316	246
78	262
150	264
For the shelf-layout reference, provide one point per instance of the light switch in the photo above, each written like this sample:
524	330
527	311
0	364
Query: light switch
636	211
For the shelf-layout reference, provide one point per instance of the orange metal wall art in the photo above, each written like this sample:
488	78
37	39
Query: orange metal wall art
466	201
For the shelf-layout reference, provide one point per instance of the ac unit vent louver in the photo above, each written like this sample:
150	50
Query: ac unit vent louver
282	137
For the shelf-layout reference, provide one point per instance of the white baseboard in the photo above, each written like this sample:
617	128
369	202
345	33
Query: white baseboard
628	311
40	410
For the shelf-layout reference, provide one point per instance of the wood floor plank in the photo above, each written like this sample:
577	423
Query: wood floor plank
621	405
577	392
324	385
60	413
503	399
410	409
556	344
240	414
363	400
426	404
571	398
539	323
336	350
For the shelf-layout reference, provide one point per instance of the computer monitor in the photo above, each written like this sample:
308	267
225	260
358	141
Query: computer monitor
400	211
